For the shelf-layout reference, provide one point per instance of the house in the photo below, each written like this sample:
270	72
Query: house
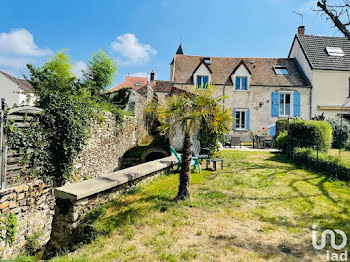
136	83
161	88
258	90
325	62
15	91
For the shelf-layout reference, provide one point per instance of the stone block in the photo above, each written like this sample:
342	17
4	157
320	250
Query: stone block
4	205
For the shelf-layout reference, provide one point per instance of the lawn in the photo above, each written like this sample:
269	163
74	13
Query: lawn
259	208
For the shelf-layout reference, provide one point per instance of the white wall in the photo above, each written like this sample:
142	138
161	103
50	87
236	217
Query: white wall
13	94
298	54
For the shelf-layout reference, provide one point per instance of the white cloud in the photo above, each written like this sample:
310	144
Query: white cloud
15	63
78	67
139	74
20	42
132	50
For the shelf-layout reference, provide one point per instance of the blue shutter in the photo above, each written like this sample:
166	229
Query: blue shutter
199	81
296	105
238	83
273	130
205	82
244	83
247	120
275	103
234	119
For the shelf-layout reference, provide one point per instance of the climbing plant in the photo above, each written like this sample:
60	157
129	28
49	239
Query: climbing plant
69	105
8	225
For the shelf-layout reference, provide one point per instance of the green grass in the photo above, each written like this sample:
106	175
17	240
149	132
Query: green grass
259	208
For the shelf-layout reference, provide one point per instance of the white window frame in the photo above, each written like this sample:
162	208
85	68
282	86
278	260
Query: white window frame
240	120
291	93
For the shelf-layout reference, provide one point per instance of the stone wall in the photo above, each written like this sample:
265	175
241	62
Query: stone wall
109	141
74	201
33	205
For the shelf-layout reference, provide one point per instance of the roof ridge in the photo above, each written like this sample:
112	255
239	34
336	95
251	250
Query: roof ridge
321	36
238	57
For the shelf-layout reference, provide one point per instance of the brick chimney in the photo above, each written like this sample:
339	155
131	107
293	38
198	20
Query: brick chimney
301	30
152	76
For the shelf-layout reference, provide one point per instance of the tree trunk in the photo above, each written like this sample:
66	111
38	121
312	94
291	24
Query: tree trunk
184	187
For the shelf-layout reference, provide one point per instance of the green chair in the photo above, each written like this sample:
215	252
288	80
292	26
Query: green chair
194	161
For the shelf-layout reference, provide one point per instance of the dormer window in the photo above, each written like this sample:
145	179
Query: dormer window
202	81
334	51
241	83
207	60
281	70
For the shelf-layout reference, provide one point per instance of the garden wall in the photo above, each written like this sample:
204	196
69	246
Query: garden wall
33	202
33	205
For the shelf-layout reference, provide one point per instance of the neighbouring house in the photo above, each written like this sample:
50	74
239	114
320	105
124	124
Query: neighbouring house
137	83
258	90
161	88
15	91
325	62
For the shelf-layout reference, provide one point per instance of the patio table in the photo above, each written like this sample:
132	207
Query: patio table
214	161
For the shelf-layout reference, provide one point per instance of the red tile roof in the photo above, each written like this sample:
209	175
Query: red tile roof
134	82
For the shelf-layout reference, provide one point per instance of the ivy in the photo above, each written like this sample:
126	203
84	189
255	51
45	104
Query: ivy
9	225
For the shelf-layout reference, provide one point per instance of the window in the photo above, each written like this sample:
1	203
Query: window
241	119
334	51
285	105
207	60
202	81
241	83
137	84
281	70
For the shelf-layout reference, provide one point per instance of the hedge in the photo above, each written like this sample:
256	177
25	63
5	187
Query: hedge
281	126
310	133
330	165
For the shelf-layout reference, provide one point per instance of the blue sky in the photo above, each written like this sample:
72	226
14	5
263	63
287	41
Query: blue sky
143	35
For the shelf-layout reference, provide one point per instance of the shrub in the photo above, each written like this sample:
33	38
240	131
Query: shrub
281	126
332	166
282	141
341	131
309	133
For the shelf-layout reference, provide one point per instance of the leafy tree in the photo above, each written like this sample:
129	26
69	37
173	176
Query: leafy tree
99	73
187	110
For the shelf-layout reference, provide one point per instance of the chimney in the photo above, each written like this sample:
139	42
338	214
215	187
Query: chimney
301	30
152	76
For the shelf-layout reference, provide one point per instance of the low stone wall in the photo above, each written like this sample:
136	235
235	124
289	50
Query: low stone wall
33	205
74	201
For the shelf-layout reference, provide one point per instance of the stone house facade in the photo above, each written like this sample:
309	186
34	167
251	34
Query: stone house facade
258	90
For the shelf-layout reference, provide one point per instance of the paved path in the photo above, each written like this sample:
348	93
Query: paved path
250	148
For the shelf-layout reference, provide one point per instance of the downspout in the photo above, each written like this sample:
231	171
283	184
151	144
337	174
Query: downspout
223	94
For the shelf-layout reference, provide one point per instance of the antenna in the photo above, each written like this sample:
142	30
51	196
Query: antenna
180	39
301	15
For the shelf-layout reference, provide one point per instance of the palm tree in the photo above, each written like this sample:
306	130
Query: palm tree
187	110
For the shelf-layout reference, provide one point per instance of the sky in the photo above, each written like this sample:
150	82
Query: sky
144	35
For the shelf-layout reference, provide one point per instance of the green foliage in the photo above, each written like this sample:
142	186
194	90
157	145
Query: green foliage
208	138
69	106
281	126
330	165
310	133
341	131
32	244
99	73
282	141
9	224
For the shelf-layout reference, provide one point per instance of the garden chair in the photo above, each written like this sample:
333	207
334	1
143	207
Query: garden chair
236	141
194	160
200	152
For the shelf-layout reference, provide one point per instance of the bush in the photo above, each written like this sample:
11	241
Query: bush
281	126
309	133
282	141
332	166
341	132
